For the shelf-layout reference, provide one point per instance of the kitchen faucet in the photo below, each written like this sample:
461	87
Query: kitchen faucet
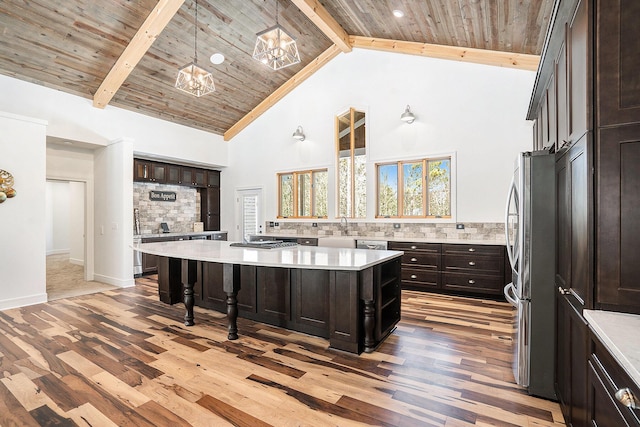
344	224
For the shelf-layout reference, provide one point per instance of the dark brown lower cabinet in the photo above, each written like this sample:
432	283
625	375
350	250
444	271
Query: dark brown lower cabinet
456	268
150	262
310	301
273	287
214	297
334	304
169	273
606	378
571	362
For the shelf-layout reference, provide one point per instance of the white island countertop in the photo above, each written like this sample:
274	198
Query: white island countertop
619	333
309	257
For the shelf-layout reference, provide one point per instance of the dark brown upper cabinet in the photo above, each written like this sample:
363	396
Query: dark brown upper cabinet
174	175
148	171
618	62
213	178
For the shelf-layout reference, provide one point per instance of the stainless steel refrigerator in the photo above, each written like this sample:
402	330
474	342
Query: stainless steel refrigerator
530	233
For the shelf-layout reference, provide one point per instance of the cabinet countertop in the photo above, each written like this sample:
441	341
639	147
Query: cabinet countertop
619	333
306	257
500	242
191	233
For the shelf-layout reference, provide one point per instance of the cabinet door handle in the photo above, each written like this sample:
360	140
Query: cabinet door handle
563	291
414	247
306	242
626	397
471	281
472	263
413	276
414	259
472	249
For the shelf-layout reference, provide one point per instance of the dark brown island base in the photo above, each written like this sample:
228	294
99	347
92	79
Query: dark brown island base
349	296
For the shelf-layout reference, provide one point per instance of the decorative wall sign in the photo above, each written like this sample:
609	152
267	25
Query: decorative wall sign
6	186
162	196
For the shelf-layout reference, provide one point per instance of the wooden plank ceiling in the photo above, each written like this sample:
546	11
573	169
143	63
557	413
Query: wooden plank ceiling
71	45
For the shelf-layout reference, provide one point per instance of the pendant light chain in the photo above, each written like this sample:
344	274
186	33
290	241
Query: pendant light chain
195	36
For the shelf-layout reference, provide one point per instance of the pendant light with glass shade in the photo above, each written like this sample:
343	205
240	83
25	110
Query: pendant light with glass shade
192	78
275	48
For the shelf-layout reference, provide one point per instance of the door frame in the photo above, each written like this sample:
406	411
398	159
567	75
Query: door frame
88	222
239	191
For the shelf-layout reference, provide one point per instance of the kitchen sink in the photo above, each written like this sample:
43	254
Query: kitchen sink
337	242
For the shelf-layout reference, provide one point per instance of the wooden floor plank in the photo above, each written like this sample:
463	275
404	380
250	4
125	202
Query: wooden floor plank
121	357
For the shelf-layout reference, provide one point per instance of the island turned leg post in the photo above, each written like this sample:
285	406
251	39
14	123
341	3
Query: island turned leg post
232	315
189	278
369	324
231	286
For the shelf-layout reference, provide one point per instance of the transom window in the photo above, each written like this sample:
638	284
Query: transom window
414	188
302	194
351	151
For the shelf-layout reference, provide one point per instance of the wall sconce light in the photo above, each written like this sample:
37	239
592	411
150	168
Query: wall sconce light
299	134
407	116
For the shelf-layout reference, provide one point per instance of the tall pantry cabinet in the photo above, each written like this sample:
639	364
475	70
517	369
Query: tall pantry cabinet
586	106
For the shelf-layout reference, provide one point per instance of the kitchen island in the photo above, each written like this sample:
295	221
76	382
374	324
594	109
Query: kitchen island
349	296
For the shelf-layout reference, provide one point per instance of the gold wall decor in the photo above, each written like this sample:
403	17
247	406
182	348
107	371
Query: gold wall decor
6	186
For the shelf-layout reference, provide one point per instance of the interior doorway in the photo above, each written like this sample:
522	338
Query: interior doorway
66	243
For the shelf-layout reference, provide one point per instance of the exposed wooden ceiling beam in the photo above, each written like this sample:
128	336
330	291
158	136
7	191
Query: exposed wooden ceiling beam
283	90
325	22
478	56
135	50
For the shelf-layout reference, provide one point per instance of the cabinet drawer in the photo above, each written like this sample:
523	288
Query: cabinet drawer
419	276
473	249
484	264
472	283
421	259
614	378
412	246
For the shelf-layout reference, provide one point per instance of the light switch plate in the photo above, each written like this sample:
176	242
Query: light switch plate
396	226
460	226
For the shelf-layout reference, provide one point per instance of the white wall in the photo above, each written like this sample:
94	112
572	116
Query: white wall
114	213
22	224
476	111
57	202
74	118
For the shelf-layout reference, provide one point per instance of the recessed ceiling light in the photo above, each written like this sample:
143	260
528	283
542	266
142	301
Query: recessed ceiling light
217	58
398	13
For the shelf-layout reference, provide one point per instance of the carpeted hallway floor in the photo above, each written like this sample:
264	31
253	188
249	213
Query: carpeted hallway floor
65	279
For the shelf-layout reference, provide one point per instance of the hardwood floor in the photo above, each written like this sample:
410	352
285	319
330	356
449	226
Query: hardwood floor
122	358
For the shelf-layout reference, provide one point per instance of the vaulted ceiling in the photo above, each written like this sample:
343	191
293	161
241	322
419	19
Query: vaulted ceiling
72	45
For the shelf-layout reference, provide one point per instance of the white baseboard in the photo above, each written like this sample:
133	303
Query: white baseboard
76	261
121	283
23	301
58	252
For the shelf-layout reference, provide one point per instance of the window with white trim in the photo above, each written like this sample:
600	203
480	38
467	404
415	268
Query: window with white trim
303	194
414	188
